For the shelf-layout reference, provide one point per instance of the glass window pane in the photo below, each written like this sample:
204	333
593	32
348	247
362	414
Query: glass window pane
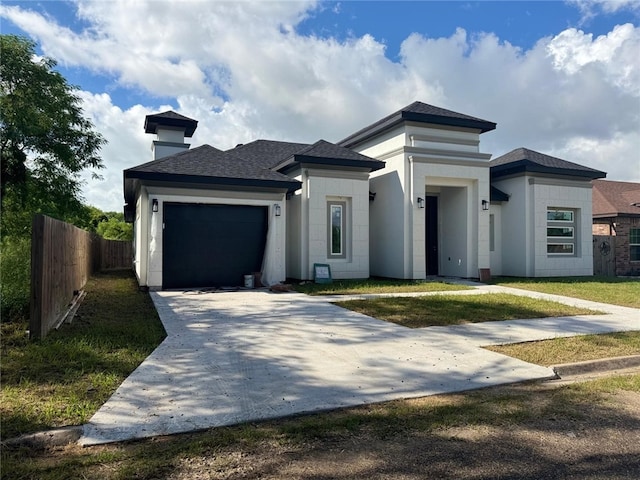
336	229
560	215
634	253
560	232
492	233
560	248
634	236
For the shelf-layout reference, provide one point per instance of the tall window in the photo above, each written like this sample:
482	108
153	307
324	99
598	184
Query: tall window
492	233
561	231
634	244
336	222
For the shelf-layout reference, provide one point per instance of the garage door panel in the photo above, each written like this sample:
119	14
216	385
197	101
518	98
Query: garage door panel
212	245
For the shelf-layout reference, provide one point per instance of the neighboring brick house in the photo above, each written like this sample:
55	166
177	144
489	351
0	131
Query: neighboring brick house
616	212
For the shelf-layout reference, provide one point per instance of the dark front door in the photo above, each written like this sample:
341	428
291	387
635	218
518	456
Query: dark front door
211	245
431	232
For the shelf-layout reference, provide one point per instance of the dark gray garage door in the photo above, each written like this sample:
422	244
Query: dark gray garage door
211	245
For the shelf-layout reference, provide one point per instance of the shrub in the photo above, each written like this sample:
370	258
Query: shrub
15	273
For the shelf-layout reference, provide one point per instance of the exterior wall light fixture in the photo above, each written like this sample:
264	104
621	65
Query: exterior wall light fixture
154	205
485	205
420	202
277	209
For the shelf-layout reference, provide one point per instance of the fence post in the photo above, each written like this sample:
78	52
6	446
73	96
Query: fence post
36	329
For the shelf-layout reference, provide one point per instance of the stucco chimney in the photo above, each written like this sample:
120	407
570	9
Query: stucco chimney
170	129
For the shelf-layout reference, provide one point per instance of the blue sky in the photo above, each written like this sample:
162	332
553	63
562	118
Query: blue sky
558	77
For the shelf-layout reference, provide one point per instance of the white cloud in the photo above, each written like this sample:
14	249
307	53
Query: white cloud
591	8
242	70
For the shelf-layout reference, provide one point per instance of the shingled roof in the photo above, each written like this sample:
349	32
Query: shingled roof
614	199
419	112
170	119
284	156
326	153
206	165
523	160
268	152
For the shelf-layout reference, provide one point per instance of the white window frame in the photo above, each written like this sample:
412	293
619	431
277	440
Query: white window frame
561	237
342	206
564	218
637	245
492	232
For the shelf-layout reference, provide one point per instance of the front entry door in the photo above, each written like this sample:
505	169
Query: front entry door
431	232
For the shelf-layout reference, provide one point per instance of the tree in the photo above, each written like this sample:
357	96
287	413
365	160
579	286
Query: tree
115	228
45	142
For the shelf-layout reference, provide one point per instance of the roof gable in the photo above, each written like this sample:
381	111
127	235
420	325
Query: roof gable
326	153
422	113
523	160
612	199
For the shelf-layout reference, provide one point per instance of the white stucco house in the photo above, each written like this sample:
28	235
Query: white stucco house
408	196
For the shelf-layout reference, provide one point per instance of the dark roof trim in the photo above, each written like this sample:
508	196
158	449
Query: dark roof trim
255	182
131	176
526	166
616	215
408	116
497	195
129	213
372	165
170	119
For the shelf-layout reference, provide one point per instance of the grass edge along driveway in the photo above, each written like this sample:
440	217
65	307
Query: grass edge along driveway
66	377
444	309
622	291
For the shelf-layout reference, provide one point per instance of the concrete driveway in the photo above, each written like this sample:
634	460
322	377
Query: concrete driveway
243	356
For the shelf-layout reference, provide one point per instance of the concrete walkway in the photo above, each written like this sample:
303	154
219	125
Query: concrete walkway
251	355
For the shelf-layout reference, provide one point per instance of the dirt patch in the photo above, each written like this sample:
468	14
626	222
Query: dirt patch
526	431
589	448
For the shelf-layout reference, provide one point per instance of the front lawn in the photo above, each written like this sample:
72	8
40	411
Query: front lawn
64	378
613	290
573	349
437	310
584	430
374	285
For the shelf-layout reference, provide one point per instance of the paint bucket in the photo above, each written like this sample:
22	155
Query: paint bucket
248	281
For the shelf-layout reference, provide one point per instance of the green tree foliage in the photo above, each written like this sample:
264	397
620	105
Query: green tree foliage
114	227
15	268
45	142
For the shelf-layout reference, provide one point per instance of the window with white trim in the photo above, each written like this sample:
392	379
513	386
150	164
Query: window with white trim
634	244
336	231
561	231
492	233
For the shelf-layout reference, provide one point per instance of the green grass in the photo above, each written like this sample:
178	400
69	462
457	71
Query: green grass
573	349
394	423
67	376
64	378
613	290
437	310
372	285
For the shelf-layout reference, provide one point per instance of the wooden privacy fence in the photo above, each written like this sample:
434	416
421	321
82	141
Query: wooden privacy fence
604	255
63	257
